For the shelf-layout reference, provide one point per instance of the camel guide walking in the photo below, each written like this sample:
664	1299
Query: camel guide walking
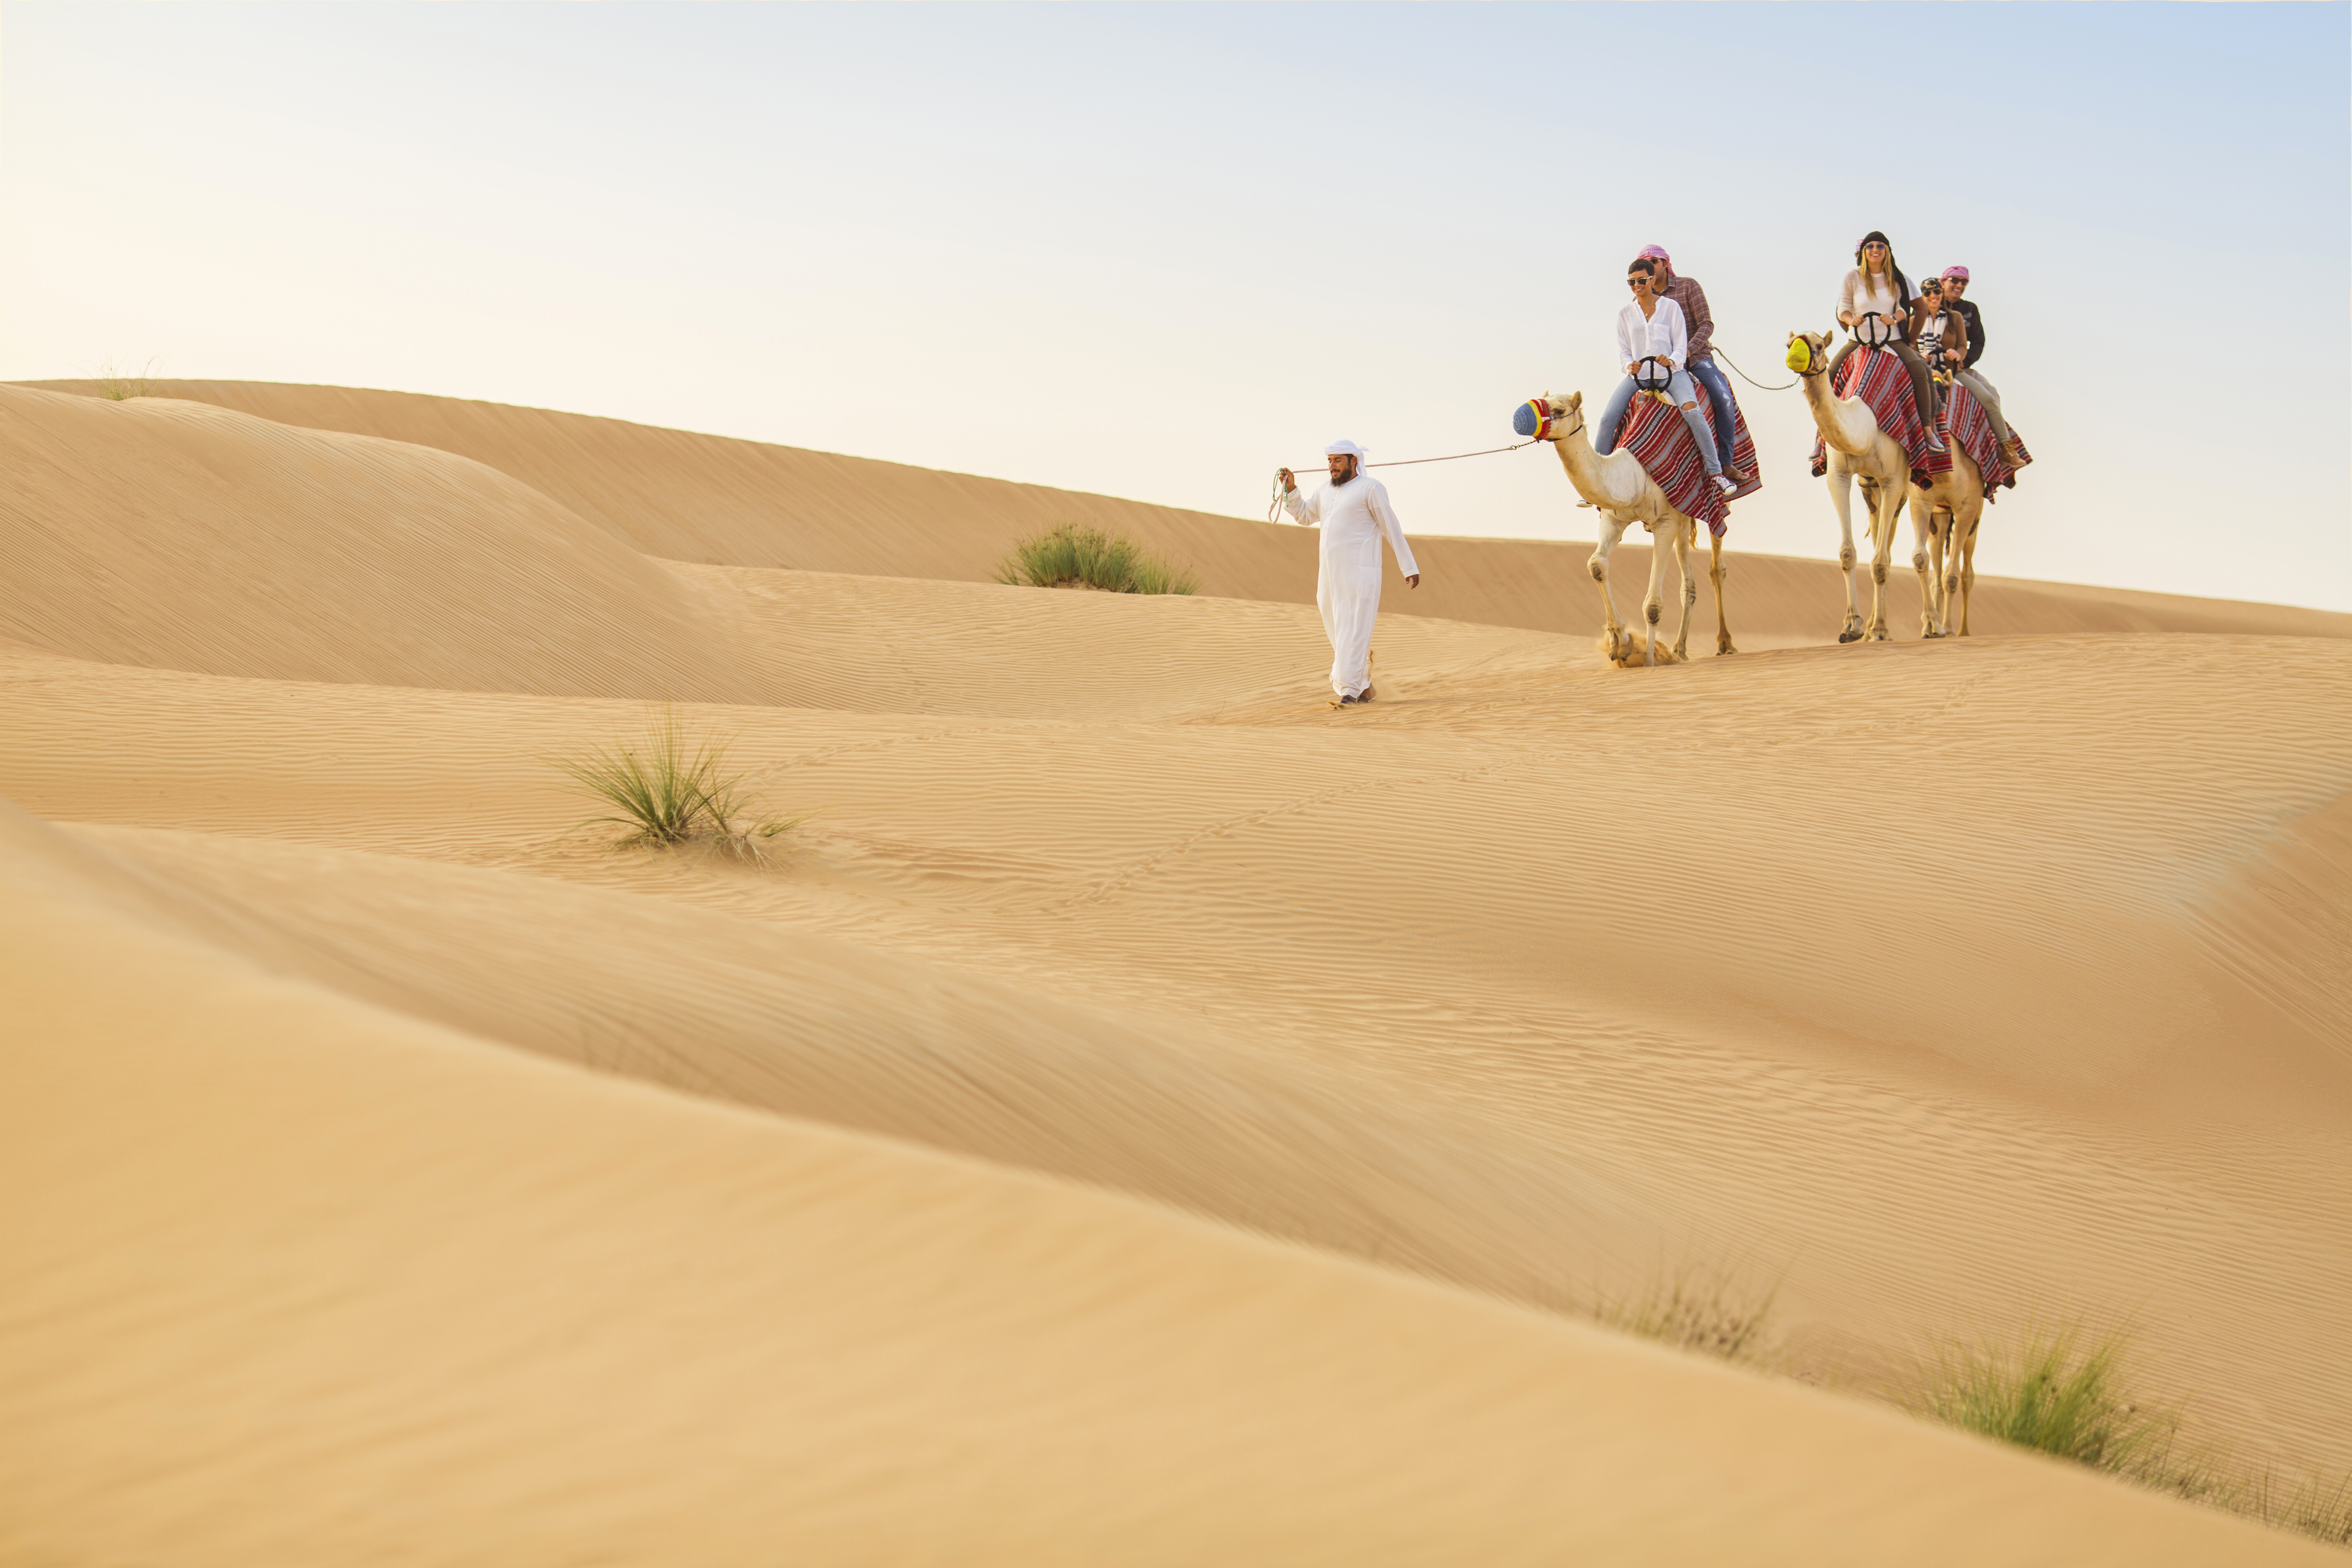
1354	514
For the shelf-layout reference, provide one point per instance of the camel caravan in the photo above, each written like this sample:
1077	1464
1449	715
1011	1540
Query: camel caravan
1900	408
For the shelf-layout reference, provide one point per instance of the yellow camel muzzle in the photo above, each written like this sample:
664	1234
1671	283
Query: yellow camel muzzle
1800	355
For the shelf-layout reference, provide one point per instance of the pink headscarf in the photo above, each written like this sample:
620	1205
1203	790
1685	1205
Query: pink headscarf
1657	253
1959	272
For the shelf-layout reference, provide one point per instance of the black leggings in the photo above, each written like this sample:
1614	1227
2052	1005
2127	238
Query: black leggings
1923	380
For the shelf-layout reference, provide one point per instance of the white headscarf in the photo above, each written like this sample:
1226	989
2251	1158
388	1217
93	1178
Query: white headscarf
1348	449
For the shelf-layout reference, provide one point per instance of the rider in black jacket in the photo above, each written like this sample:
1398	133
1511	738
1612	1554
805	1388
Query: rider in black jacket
1988	397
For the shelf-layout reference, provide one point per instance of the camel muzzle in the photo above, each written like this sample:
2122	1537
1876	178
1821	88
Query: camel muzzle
1540	419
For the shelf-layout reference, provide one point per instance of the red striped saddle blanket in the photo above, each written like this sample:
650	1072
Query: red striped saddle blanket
1966	427
1654	432
1879	378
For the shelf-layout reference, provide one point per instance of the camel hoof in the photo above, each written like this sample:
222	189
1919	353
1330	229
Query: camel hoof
1931	636
1724	648
1882	635
1848	634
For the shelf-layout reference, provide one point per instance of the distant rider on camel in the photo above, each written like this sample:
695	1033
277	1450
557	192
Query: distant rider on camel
1988	397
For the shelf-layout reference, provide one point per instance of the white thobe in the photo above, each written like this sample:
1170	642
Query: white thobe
1354	518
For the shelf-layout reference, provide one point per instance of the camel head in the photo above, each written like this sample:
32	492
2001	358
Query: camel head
1809	353
1548	418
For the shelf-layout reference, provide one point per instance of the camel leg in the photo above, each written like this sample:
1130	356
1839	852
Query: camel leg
1964	551
1611	628
1887	507
1923	523
1690	587
1714	571
1841	496
1939	536
1653	605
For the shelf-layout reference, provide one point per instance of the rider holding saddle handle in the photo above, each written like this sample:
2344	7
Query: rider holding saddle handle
1876	288
1654	345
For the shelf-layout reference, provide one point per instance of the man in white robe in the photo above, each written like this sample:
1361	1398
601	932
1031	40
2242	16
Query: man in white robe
1354	514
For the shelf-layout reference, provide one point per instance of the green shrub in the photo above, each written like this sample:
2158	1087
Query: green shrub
1072	553
668	793
2052	1391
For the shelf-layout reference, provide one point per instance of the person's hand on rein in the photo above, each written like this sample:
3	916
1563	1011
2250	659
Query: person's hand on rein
1288	483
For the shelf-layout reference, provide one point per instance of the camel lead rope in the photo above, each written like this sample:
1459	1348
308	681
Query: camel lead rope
1750	380
1274	511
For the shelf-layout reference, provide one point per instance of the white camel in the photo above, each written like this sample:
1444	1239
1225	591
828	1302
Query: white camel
1625	494
1859	449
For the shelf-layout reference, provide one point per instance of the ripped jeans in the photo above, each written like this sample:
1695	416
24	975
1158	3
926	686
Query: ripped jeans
1685	398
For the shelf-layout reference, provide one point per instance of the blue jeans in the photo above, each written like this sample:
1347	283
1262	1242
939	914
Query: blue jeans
1718	392
1685	398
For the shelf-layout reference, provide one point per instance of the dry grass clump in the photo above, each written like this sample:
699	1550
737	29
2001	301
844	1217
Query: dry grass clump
120	386
668	793
2319	1509
1712	1317
1072	554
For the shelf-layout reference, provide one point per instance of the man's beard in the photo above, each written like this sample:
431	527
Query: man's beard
1347	472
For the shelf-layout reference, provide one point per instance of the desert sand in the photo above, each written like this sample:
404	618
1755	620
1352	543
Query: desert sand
1143	1115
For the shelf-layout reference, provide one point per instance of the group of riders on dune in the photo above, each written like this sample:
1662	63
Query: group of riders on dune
1664	343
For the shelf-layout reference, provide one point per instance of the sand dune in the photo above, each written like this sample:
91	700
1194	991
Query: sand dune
685	497
1144	1115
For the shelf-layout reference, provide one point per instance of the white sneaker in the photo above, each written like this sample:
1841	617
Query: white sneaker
1725	483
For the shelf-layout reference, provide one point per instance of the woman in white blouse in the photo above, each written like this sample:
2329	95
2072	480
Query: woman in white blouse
1652	327
1876	286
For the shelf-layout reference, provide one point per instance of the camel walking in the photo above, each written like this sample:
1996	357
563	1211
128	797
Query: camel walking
1627	494
1859	449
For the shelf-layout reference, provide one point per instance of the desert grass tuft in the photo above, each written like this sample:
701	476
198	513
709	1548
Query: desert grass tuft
669	791
1706	1314
2058	1391
2319	1509
2066	1391
1073	553
120	386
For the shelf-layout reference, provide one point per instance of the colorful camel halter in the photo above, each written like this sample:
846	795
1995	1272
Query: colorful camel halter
1537	420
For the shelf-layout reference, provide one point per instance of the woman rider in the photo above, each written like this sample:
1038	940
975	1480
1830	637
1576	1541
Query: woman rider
1939	332
1876	285
1651	328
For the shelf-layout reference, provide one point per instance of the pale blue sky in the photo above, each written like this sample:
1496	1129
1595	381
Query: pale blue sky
1154	251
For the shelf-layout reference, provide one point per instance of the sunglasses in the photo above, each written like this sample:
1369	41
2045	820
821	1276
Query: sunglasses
1636	282
1875	245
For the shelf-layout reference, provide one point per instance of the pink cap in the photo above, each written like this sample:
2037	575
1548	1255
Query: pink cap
1655	253
1959	272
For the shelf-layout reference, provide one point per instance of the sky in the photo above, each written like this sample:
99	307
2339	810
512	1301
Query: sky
1157	251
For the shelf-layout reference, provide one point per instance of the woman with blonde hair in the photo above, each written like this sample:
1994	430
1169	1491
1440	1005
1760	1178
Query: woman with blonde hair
1876	286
